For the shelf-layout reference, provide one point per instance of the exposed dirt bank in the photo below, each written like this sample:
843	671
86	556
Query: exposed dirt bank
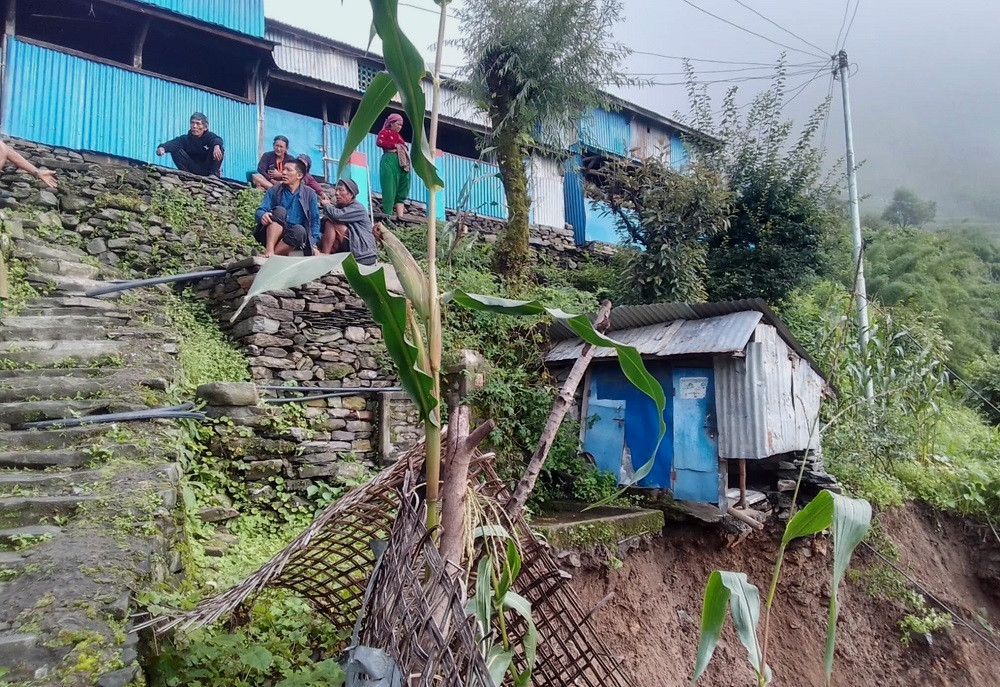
652	622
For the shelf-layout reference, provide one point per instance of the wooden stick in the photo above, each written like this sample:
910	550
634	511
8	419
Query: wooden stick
455	486
559	409
743	517
743	483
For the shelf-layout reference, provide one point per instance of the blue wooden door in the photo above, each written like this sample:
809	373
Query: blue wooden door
605	438
696	452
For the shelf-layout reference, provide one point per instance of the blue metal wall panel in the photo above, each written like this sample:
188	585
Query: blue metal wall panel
607	131
486	196
576	204
605	439
67	101
679	155
304	134
601	225
695	435
242	16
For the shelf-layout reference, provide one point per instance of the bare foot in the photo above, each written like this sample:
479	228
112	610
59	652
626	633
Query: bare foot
269	254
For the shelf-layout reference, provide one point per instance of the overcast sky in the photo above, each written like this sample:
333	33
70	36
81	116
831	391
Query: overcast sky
925	90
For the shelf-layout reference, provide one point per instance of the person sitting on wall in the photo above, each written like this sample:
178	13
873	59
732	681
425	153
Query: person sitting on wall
310	181
288	216
271	165
347	226
199	151
8	154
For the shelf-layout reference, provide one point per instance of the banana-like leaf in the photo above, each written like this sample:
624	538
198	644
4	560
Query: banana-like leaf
743	599
522	607
849	519
482	604
377	96
498	660
389	312
511	568
628	357
286	272
404	64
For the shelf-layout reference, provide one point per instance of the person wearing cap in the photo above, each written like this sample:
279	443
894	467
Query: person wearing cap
271	165
394	169
288	217
347	226
199	151
310	181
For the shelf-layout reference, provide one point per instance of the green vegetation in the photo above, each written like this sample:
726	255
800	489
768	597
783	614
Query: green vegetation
908	210
206	355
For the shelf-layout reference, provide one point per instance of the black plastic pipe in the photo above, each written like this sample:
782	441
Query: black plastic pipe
327	392
172	412
153	281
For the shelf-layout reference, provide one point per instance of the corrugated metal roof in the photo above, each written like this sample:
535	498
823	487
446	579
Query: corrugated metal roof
725	334
242	16
299	54
635	316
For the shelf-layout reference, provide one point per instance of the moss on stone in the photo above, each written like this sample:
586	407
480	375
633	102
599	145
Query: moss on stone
607	530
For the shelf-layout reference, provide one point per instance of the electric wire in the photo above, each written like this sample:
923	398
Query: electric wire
829	107
725	71
741	79
798	90
759	35
699	59
778	26
843	23
857	4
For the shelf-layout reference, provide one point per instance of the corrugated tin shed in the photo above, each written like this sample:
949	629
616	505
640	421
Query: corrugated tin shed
242	16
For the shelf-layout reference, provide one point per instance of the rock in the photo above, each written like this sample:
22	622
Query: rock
786	485
14	228
75	204
119	678
47	199
217	514
97	246
229	394
355	334
338	370
355	403
264	468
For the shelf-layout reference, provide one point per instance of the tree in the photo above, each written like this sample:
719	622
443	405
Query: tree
670	215
907	210
534	68
782	197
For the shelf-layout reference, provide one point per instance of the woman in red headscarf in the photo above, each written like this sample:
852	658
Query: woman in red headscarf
394	170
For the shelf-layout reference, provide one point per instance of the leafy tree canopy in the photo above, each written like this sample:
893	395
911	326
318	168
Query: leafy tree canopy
908	210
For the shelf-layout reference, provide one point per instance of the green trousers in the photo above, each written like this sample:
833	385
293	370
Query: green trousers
395	182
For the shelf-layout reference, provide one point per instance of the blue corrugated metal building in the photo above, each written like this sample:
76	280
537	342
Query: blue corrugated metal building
728	370
132	80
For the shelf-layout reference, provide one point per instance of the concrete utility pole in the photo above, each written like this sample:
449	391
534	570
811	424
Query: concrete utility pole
860	290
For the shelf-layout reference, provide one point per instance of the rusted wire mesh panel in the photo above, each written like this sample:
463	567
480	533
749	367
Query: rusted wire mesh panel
416	613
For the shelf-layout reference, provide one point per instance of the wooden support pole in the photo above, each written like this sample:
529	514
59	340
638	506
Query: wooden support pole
559	409
743	483
743	517
139	44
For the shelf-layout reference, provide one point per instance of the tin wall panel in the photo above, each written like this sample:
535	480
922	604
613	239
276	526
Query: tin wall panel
679	155
650	140
607	131
545	184
242	16
455	106
300	55
64	100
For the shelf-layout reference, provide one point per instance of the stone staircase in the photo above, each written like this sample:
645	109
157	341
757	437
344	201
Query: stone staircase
86	513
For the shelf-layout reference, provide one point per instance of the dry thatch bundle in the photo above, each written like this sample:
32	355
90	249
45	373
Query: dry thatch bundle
415	611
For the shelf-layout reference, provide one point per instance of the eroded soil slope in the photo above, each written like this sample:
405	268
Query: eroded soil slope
652	621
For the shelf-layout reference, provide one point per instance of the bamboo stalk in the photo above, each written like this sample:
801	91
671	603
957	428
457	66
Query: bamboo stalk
559	409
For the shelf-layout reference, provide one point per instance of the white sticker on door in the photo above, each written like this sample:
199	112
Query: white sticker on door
692	388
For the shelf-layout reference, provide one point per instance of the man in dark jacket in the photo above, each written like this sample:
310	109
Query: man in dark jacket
288	216
271	165
347	226
199	151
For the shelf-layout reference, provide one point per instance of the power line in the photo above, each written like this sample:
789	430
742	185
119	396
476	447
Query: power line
843	23
779	26
741	28
723	71
733	80
857	4
800	89
700	59
829	107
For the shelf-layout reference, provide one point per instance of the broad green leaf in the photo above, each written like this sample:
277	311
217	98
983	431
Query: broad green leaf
404	64
286	272
389	312
522	607
511	568
498	661
851	520
628	357
373	103
257	658
815	517
490	531
744	602
483	601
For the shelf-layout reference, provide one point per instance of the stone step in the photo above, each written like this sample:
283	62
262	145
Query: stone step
51	439
26	656
19	388
44	353
17	536
18	413
88	304
47	322
37	249
11	561
40	460
48	482
58	284
21	511
68	268
11	330
16	375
